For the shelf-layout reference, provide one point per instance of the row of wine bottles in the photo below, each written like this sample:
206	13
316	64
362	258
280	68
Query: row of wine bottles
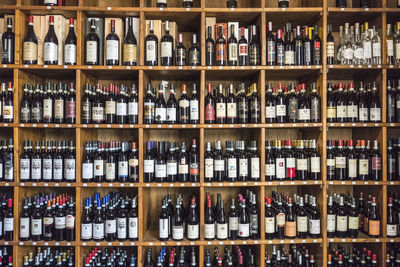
173	256
6	256
346	219
393	159
6	217
119	257
341	256
346	162
110	162
291	217
296	256
50	256
393	100
52	103
112	217
392	255
235	256
7	160
345	104
7	103
49	161
48	217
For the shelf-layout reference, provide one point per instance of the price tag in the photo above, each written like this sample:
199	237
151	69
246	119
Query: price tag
283	8
369	66
26	66
208	184
304	182
377	240
96	126
147	185
132	243
159	185
4	65
194	126
7	184
291	182
391	66
22	184
161	9
171	185
219	184
128	67
65	66
232	9
244	242
209	67
353	182
34	184
291	241
315	240
131	126
188	9
191	243
109	244
242	67
122	185
21	243
56	184
162	243
232	242
110	185
84	243
193	67
221	243
48	7
209	243
121	126
270	241
343	182
352	66
343	240
255	241
303	241
233	67
151	243
57	243
130	184
166	67
366	9
121	243
342	9
150	67
282	241
182	185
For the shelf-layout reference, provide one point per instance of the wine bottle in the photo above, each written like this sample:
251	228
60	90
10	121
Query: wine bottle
130	46
112	46
70	45
8	42
50	46
167	47
151	44
92	45
30	45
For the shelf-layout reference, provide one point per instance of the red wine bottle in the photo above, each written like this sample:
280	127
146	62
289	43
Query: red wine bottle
50	53
8	42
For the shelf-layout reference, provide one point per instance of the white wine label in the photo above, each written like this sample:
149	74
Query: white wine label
133	228
166	49
50	51
87	231
112	50
209	231
91	52
222	230
70	54
111	226
151	47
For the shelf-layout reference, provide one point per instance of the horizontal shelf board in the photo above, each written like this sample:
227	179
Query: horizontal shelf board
293	9
46	125
47	243
355	10
110	185
48	184
105	243
345	67
356	183
4	184
357	240
355	124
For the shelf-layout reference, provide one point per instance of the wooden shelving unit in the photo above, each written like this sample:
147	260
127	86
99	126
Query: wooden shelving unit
301	12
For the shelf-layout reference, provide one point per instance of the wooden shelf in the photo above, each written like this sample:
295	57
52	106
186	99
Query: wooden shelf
258	12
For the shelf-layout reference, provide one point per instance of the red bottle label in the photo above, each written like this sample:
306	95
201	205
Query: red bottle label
376	163
210	113
71	111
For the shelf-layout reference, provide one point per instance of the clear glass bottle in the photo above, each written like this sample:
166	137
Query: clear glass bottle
376	47
358	46
367	44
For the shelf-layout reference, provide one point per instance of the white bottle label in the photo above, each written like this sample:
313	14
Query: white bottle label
390	50
133	108
315	164
397	51
367	50
69	169
376	49
331	223
194	109
47	169
233	52
392	230
209	168
172	168
36	169
280	168
375	114
222	230
25	168
121	223
352	168
221	110
98	167
122	109
87	170
304	114
219	165
161	171
244	229
270	112
255	168
161	114
302	223
133	227
341	111
353	223
243	168
123	169
60	222
330	49
111	226
270	225
177	232
166	49
363	114
151	47
280	110
50	51
232	167
233	223
24	228
112	50
98	231
314	226
110	171
70	54
363	166
57	169
352	111
8	224
209	231
163	228
301	164
341	224
193	231
91	52
171	114
36	226
87	231
149	166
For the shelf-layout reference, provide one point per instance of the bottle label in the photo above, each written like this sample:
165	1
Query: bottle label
91	52
307	52
233	223
231	110
183	168
302	223
280	219
289	57
304	114
270	225
280	168
233	52
180	56
57	169
110	171
71	109
280	110
70	221
270	112
220	52
375	114
290	167
341	111
166	49
60	222
122	109
397	51
31	51
255	168
317	51
98	231
149	166
359	54
243	168
161	114
269	169
363	168
24	114
172	168
151	47
222	230
163	228
98	167
111	226
161	170
133	227
376	163
301	164
133	108
130	53
47	221
219	165
367	50
376	49
36	226
97	114
121	223
331	223
87	231
271	52
330	49
353	223
177	232
110	107
390	50
348	53
340	162
25	168
391	230
243	50
122	168
209	230
352	168
47	108
280	54
8	224
70	54
315	164
209	113
193	231
221	110
290	229
341	225
24	230
374	227
112	50
331	112
36	169
50	52
352	111
363	114
69	169
232	167
208	168
314	226
194	57
86	110
244	230
194	109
